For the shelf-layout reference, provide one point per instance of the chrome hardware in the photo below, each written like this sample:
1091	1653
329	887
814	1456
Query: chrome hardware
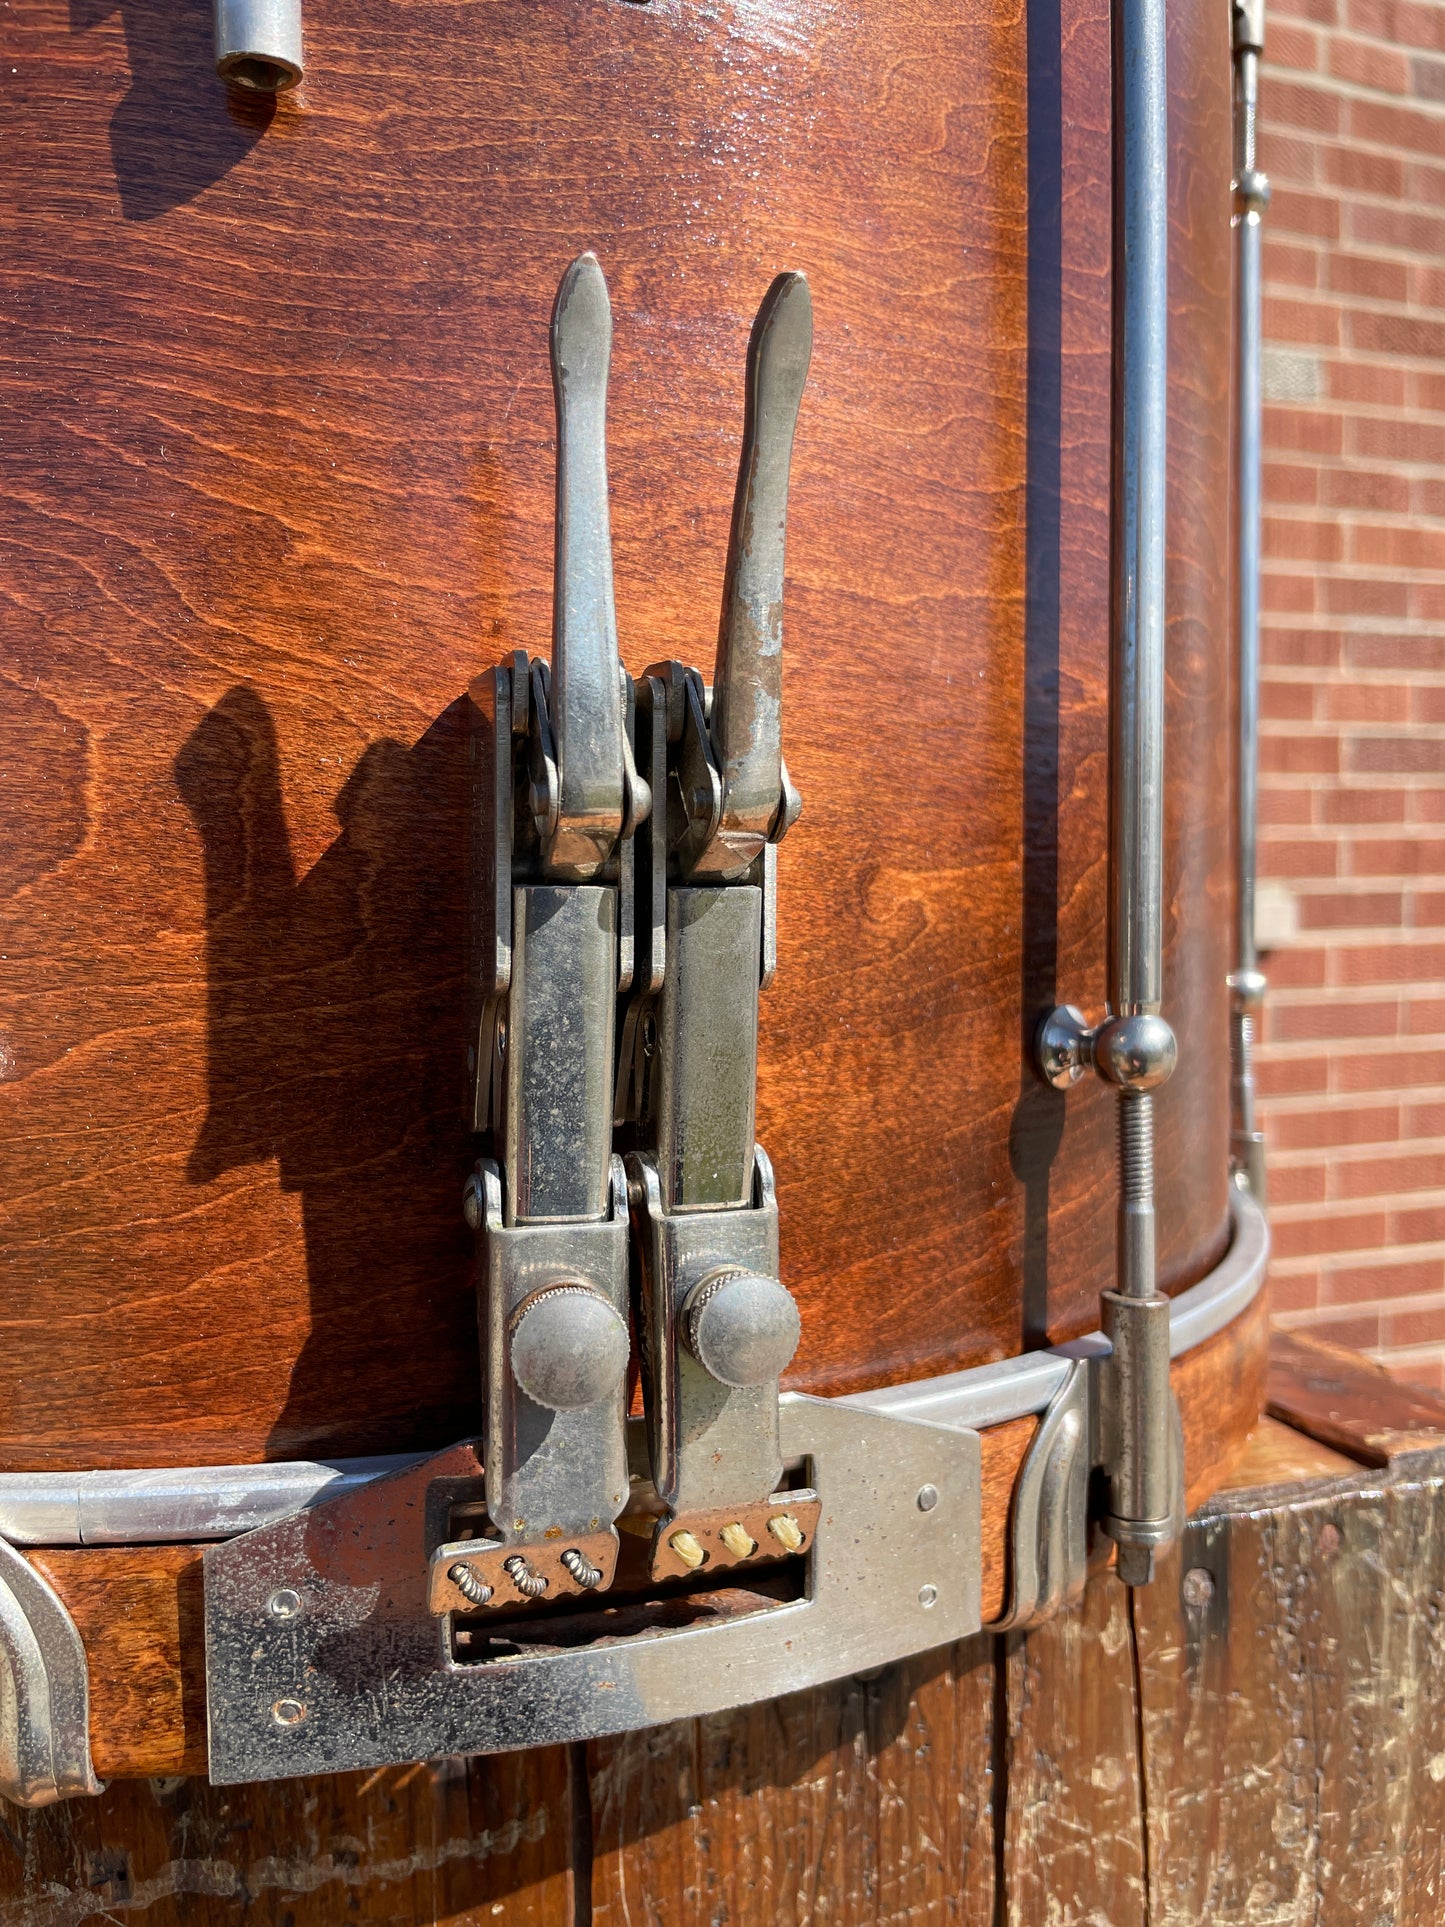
1048	1526
883	1579
1134	1047
45	1728
1246	984
719	1328
556	802
258	44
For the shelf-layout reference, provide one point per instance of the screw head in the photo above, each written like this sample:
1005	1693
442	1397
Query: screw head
569	1347
927	1596
1197	1587
927	1497
288	1712
1137	1053
284	1603
740	1327
1061	1047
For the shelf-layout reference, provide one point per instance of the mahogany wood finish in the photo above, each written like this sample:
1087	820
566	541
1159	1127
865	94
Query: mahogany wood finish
277	420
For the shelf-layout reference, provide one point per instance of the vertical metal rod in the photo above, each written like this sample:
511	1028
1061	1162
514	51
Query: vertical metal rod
258	44
1246	983
1135	1047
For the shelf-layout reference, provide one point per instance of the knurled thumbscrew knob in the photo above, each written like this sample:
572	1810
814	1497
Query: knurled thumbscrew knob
740	1327
569	1347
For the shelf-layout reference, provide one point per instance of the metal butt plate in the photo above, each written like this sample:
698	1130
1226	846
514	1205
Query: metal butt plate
321	1654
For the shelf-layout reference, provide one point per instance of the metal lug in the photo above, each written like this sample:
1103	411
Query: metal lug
45	1731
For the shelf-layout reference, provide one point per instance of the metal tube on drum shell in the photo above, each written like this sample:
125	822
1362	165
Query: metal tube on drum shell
258	44
1246	984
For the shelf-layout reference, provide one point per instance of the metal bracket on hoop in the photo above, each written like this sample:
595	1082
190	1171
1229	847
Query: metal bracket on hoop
44	1692
322	1652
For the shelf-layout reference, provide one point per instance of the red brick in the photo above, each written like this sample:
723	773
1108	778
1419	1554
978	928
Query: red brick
1326	1022
1296	483
1325	1231
1359	910
1322	1129
1425	1017
1300	967
1361	172
1357	1332
1399	441
1365	596
1397	755
1427	286
1288	702
1389	546
1377	280
1316	322
1292	1076
1428	703
1293	210
1352	1073
1385	963
1300	648
1294	47
1349	1284
1400	21
1310	431
1420	653
1428	909
1427	390
1385	124
1426	601
1378	1177
1418	1225
1366	702
1346	806
1307	105
1294	160
1290	1291
1299	539
1290	809
1421	1325
1323	12
1299	755
1427	78
1427	496
1286	594
1396	856
1364	488
1296	266
1297	858
1370	383
1378	226
1427	804
1425	1120
1388	334
1369	66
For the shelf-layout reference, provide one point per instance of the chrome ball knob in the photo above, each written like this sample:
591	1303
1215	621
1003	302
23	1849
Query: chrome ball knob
569	1347
741	1328
1136	1052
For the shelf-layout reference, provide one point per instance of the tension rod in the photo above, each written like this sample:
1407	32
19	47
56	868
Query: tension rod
1134	1047
1246	982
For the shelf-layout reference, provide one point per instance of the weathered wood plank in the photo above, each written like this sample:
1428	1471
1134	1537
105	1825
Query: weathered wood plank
867	1802
1349	1402
479	1844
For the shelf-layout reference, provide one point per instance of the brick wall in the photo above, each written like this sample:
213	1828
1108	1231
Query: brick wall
1352	855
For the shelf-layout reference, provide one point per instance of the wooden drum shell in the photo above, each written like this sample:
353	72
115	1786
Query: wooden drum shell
279	484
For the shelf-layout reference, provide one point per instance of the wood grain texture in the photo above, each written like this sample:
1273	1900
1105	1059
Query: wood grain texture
868	1801
470	1844
1349	1402
278	415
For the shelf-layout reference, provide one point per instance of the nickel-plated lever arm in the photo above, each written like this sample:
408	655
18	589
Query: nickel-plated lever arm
747	691
592	800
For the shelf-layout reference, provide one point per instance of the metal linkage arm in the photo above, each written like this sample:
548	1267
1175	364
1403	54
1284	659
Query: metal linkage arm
558	799
1134	1048
1246	982
719	1326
